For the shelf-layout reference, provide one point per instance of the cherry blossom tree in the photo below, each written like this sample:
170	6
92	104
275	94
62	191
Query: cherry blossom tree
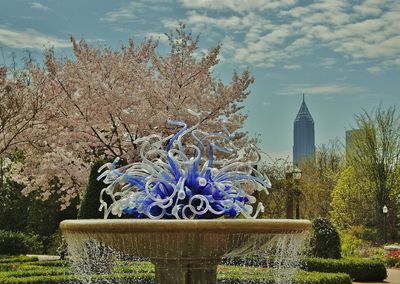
106	99
22	110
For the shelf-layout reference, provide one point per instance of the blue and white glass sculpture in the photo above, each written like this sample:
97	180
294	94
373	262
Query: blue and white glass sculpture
184	180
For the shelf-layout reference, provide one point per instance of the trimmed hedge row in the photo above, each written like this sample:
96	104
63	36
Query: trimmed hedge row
303	278
57	272
16	259
67	279
358	269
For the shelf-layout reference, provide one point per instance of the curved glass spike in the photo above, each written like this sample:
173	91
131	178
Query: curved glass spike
182	181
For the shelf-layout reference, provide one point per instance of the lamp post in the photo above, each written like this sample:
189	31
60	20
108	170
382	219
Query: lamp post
293	175
385	211
296	178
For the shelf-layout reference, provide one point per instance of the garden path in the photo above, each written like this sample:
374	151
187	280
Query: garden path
44	257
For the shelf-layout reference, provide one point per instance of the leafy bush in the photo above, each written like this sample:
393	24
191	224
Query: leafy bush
360	241
359	269
13	209
55	243
325	240
32	214
351	245
12	243
44	216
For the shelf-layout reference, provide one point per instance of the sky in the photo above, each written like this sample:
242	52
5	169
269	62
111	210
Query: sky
343	55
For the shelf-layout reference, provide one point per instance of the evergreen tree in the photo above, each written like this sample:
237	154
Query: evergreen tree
325	240
90	204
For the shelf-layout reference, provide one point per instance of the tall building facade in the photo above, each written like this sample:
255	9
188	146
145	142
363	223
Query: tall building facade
303	134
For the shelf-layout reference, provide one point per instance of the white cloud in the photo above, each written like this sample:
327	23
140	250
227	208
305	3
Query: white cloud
374	69
202	20
170	24
292	67
39	6
265	32
29	38
328	62
369	8
327	89
239	6
123	14
157	36
134	10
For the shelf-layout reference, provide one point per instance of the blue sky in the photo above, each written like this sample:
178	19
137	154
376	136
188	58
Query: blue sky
344	55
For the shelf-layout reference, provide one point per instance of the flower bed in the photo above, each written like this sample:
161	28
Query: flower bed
392	259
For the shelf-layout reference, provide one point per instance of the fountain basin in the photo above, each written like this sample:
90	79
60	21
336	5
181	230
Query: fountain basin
183	251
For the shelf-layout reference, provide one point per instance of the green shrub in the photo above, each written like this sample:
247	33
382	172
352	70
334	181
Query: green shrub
351	245
44	216
325	240
89	207
54	243
13	209
12	243
360	241
359	269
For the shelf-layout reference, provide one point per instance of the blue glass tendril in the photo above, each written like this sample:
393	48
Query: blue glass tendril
183	181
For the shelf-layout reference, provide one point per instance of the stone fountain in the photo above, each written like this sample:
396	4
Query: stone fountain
189	206
183	251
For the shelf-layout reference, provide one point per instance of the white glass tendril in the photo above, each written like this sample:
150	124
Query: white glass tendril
184	181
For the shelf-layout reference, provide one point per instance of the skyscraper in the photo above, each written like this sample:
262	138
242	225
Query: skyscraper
303	134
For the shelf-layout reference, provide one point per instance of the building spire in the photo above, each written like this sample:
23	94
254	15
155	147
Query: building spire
303	134
304	114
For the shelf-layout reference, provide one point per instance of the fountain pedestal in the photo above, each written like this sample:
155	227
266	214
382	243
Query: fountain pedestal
185	271
183	251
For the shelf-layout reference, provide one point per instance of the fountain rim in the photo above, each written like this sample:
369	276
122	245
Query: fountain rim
223	226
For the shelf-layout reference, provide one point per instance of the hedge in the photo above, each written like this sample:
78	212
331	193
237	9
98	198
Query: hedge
358	269
18	243
16	259
303	278
57	272
67	279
